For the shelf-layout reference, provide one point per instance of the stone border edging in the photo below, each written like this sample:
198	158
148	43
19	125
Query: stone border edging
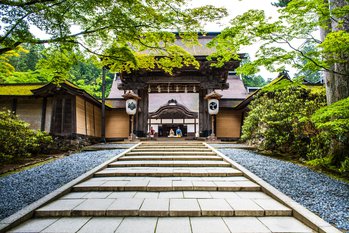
298	211
27	212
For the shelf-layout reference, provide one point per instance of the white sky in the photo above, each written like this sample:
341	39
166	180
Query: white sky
238	7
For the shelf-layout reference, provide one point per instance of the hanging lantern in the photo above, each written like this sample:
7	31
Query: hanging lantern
213	102
213	106
131	102
213	109
131	106
131	109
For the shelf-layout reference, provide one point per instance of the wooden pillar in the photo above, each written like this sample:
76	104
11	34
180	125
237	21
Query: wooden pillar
43	113
14	106
104	71
194	127
142	114
85	111
204	120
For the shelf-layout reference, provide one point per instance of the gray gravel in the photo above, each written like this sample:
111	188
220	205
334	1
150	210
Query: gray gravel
23	188
327	197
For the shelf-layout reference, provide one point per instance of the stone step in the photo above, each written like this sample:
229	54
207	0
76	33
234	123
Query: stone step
251	195
174	148
169	146
166	143
167	185
163	153
175	163
168	171
164	224
176	157
156	207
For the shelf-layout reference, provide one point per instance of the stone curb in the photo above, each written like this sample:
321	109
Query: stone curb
28	211
299	212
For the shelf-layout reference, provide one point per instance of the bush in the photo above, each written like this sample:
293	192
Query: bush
287	117
17	140
279	117
333	121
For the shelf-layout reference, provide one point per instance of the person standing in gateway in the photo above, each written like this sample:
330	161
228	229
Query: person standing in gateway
179	132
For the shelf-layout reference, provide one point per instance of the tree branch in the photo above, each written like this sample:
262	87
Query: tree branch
307	57
21	4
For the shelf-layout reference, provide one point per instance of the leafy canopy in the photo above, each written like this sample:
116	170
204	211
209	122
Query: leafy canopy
283	38
124	34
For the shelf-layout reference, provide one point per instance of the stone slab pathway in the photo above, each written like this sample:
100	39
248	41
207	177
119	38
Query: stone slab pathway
167	187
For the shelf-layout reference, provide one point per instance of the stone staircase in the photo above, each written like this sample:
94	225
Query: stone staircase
165	187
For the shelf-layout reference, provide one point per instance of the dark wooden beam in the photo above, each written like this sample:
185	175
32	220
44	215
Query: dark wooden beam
14	105
73	112
85	111
104	70
43	113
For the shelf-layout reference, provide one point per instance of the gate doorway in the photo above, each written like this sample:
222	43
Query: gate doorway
164	130
171	116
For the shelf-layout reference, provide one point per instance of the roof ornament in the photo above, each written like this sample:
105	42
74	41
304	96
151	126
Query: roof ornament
172	102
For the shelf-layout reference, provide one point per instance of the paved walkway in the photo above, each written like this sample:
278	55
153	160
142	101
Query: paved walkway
165	187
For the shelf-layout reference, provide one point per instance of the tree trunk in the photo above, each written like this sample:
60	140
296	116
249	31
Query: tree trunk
337	82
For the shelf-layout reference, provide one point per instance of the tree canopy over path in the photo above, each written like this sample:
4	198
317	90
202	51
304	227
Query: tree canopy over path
107	28
299	20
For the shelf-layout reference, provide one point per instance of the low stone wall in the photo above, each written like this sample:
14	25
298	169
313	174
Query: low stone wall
75	142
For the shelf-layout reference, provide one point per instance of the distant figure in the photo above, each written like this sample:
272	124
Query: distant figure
151	132
179	132
171	133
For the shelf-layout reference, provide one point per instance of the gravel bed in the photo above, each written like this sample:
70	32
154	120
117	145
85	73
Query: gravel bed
327	197
23	188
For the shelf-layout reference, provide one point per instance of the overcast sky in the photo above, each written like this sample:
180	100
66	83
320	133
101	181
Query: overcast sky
238	7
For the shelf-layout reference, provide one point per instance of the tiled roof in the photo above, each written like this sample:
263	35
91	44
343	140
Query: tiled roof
115	93
236	89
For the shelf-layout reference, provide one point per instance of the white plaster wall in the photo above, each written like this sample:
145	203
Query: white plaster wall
189	100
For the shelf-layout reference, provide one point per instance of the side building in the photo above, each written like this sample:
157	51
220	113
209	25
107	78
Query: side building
63	110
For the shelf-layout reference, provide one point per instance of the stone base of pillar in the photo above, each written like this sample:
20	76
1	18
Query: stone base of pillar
132	137
212	138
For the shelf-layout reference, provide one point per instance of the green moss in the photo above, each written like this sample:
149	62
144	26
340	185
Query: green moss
278	84
18	89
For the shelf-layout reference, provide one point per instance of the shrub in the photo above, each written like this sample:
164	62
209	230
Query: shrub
17	140
333	121
279	117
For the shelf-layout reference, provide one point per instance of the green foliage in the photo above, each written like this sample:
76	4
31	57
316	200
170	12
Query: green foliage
17	140
281	3
98	22
27	61
345	166
307	70
279	117
333	121
298	21
253	81
6	68
249	79
288	117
